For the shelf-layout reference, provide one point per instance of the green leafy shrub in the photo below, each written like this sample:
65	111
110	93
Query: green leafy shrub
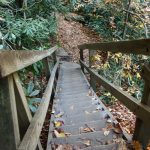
31	94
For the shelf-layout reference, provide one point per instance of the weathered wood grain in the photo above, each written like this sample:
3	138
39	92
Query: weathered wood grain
142	132
9	137
130	47
24	114
12	61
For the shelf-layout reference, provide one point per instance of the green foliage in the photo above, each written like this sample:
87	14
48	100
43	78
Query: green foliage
31	94
107	17
29	32
30	26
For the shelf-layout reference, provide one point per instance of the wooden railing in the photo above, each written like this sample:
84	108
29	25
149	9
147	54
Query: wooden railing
18	129
140	108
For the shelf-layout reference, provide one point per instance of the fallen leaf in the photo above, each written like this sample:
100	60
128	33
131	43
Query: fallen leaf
64	147
60	114
58	124
53	112
88	129
89	93
122	145
106	132
87	142
137	145
109	121
67	134
93	98
117	129
58	135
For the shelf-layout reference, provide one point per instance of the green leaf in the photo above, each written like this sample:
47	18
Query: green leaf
30	88
36	68
33	108
34	100
34	93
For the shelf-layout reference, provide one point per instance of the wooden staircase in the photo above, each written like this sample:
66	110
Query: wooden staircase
86	121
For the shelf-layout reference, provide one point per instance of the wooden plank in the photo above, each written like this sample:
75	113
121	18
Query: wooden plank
146	72
139	109
21	96
130	47
12	61
31	137
24	114
142	132
46	68
7	134
92	81
81	58
14	110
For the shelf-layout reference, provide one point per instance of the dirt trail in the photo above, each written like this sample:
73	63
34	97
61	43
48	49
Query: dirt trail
71	34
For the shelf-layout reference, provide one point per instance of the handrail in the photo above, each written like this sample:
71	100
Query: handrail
12	61
32	135
141	46
141	110
18	129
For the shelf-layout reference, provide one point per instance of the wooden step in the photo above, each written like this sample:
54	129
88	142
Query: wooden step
79	128
95	138
113	146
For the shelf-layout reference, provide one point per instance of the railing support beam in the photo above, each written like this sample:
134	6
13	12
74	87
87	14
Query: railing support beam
9	130
92	80
142	130
81	58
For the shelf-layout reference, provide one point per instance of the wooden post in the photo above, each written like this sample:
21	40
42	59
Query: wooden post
81	58
92	79
55	57
142	130
46	67
9	129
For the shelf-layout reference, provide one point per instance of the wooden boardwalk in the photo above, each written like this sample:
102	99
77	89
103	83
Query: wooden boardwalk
79	119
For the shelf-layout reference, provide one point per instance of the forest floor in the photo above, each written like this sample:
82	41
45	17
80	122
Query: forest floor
71	34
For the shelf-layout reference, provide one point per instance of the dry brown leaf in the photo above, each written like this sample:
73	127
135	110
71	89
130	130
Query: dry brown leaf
137	145
64	147
117	129
87	129
89	93
122	145
87	142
